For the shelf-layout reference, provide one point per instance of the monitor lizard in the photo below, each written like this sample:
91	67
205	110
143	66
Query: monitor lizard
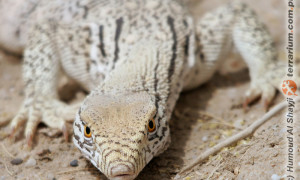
135	57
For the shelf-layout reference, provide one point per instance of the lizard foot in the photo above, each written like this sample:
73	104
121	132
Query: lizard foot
264	90
52	112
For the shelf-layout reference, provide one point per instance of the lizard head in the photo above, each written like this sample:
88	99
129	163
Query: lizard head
119	134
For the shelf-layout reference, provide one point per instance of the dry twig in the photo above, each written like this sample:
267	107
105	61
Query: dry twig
222	121
4	148
6	168
213	172
235	138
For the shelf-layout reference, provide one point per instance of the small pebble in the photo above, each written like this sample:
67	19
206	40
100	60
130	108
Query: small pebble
275	177
239	123
177	176
199	173
50	176
30	162
204	138
20	176
25	155
236	170
74	163
16	161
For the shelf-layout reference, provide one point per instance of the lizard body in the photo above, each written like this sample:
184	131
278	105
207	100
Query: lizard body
134	57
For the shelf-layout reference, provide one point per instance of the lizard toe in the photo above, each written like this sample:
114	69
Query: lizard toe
18	121
58	114
251	95
264	90
52	112
268	95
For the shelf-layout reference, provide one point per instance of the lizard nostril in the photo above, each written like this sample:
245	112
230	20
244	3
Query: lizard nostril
121	171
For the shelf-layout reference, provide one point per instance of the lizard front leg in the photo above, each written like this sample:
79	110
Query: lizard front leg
254	42
235	24
40	72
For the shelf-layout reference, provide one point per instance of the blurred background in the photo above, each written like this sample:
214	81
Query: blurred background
273	13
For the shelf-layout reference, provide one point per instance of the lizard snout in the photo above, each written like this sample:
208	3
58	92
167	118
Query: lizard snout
122	172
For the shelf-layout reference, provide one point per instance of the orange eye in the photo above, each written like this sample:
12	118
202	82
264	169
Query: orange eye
87	132
151	125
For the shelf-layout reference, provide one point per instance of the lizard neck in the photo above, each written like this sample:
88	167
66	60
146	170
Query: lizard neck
152	67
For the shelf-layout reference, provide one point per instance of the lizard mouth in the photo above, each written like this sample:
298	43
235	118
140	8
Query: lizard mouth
122	172
124	177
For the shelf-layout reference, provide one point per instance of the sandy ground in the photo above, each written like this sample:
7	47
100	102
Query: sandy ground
202	118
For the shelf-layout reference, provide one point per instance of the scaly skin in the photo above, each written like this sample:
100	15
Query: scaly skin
135	57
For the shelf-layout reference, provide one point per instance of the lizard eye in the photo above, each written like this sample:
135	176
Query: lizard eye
87	132
151	125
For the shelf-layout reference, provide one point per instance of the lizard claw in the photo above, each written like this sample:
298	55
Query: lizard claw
29	141
268	96
31	126
266	105
12	133
245	105
65	132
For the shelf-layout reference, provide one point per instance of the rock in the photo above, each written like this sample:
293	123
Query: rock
74	163
16	161
30	162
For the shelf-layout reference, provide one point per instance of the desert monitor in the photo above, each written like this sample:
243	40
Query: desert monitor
134	57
